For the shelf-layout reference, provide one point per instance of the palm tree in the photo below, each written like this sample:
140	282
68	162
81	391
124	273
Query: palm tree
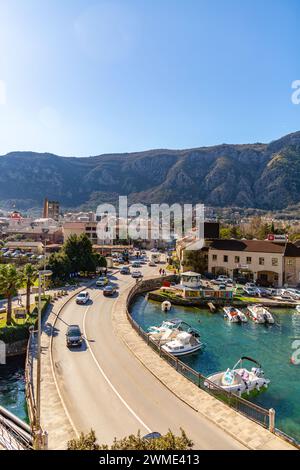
30	274
10	282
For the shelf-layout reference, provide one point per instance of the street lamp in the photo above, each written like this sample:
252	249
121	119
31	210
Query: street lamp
42	275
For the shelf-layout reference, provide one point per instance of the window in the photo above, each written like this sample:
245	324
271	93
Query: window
274	261
261	261
237	259
215	257
225	259
249	260
290	262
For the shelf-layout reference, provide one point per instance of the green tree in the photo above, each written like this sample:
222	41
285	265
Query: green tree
60	265
79	251
167	442
10	281
30	275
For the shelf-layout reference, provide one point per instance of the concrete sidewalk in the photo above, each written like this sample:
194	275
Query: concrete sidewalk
54	417
247	432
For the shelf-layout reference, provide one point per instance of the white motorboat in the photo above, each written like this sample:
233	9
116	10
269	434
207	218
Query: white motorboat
166	325
259	314
184	343
240	380
166	306
234	315
298	308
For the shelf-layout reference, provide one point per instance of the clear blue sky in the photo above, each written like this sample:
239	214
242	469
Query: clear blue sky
84	77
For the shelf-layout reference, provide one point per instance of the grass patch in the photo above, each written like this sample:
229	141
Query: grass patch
19	329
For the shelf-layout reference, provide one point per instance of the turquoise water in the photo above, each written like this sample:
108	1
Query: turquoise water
12	387
227	342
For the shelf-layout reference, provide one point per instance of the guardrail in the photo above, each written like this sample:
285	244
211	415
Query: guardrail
14	433
254	412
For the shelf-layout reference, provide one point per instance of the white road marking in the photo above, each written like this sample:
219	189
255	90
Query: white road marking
107	379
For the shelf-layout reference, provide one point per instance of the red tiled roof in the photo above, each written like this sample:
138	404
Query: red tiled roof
254	246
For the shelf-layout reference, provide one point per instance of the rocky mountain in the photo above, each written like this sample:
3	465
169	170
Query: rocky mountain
263	176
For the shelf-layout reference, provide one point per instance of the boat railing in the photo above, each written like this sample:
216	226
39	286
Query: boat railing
252	411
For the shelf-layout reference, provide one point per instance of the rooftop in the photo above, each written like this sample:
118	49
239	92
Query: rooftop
254	246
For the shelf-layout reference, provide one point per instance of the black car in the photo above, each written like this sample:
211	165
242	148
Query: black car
73	336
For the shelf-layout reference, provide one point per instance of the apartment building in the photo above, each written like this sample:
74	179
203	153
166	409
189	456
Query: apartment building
272	264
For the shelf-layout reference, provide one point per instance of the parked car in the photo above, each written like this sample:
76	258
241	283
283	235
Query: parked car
125	270
102	281
82	298
109	291
73	336
263	292
136	274
151	264
251	292
136	264
241	280
222	286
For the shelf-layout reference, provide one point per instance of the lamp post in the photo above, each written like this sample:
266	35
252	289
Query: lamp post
45	232
42	275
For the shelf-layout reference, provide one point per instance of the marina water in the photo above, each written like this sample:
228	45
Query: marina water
226	342
12	387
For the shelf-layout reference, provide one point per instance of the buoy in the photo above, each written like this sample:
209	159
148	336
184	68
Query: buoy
166	306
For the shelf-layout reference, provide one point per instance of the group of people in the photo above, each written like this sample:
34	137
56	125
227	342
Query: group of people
162	272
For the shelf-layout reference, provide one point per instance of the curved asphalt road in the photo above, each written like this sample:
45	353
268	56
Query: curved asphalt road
104	387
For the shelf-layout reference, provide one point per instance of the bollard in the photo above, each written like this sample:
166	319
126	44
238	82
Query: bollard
44	440
272	420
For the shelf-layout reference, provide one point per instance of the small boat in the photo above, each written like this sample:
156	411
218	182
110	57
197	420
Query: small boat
259	314
166	325
164	336
184	343
240	380
298	308
234	315
166	306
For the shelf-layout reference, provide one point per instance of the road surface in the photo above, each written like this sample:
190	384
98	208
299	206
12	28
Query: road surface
104	387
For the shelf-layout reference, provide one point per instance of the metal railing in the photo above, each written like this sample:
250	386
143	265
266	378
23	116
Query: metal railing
14	433
250	410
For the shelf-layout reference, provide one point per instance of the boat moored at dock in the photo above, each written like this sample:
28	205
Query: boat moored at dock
234	315
259	314
185	343
240	380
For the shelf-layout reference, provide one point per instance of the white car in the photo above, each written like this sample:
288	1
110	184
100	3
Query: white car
136	274
152	264
82	298
102	281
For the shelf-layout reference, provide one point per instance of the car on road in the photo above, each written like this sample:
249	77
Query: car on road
109	291
152	435
73	336
82	298
102	282
136	274
152	264
125	270
136	264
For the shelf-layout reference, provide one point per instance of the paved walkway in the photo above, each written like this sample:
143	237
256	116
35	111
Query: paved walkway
250	434
53	414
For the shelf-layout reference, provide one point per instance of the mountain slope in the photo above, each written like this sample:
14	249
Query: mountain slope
253	175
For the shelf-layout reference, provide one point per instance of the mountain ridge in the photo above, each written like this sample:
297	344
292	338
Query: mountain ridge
259	175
